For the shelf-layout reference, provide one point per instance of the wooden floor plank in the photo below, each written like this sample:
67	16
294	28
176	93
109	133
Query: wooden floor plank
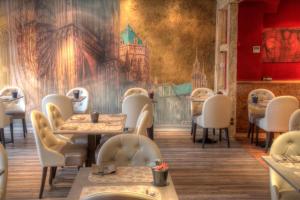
215	172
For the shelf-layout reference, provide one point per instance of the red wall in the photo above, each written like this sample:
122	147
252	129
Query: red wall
253	18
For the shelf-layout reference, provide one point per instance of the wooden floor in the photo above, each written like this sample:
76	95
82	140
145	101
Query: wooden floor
211	173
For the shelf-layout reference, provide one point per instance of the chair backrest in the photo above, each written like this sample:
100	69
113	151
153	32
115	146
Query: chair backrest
142	122
133	91
132	106
196	107
262	94
3	177
287	144
54	116
63	102
45	140
294	121
279	111
20	103
129	150
217	112
83	106
119	196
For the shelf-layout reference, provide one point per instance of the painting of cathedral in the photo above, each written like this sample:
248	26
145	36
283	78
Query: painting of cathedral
134	57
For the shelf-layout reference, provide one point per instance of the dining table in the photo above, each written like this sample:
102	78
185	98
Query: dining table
286	168
8	99
76	100
81	125
136	180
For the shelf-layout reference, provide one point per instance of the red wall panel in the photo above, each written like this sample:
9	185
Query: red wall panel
253	18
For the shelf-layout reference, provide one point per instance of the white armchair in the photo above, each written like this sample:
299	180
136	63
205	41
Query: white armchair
133	91
255	112
83	106
216	114
287	144
16	109
63	102
294	121
132	106
53	152
3	177
4	122
196	107
129	150
277	117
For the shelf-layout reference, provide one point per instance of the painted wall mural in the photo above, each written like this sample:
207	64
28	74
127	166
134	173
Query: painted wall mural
107	46
281	45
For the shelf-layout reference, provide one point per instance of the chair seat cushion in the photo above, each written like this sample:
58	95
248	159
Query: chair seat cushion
289	195
75	155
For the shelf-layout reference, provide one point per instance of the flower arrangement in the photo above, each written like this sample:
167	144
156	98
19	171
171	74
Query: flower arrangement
161	166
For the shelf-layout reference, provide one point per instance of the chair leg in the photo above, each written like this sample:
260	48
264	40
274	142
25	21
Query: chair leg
214	131
52	174
24	127
12	131
192	128
252	132
2	137
227	137
257	134
194	132
205	134
44	175
220	135
269	139
249	129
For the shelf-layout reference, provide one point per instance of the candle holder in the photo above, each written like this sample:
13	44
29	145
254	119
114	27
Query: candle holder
160	174
94	117
76	94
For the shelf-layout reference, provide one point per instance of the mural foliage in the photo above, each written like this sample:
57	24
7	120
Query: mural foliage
107	46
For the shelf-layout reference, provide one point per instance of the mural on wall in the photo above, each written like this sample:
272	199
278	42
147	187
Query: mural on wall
179	55
281	45
108	46
56	45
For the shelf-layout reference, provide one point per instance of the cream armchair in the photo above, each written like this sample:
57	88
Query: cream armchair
216	114
4	122
56	120
294	121
3	177
83	106
287	144
132	91
53	152
255	112
277	117
129	150
15	109
63	102
132	106
196	107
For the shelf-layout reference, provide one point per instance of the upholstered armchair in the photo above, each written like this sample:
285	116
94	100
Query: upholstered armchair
255	112
53	152
132	91
129	150
294	121
196	107
3	177
277	115
56	120
4	122
83	106
287	144
63	102
16	109
216	114
132	106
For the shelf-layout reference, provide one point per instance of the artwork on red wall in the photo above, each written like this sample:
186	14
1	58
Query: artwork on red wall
281	45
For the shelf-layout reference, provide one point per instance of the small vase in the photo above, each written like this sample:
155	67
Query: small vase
160	177
76	94
94	117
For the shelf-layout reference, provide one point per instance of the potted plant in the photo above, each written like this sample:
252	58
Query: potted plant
160	174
